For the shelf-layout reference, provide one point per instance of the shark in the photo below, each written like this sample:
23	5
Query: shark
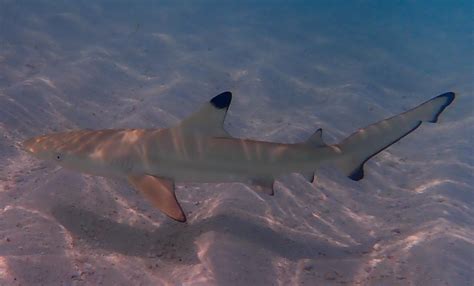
198	149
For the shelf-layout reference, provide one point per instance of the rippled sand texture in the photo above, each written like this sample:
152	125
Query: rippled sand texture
93	64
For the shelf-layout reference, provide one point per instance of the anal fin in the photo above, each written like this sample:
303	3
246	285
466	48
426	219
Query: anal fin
264	185
160	192
308	176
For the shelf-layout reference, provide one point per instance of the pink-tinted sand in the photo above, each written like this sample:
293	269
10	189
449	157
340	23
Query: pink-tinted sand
292	70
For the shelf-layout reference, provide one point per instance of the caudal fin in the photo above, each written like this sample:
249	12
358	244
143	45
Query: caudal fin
365	143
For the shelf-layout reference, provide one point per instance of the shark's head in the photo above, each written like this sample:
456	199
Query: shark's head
67	149
47	147
87	151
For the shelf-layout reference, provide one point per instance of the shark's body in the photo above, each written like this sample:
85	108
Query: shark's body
198	149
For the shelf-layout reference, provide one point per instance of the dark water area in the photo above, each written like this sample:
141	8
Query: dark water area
293	66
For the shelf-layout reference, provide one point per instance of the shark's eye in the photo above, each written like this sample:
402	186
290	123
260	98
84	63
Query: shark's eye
58	156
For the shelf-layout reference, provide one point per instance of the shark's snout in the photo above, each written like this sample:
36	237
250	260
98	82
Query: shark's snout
30	145
27	145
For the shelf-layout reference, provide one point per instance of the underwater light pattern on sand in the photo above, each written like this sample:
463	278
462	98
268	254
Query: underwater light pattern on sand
292	68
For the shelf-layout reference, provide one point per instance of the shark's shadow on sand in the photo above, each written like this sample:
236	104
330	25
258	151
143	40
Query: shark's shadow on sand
175	241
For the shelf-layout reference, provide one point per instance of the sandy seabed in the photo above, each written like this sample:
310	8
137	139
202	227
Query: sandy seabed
292	69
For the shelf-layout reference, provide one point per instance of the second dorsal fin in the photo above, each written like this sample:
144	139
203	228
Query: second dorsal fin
209	119
316	140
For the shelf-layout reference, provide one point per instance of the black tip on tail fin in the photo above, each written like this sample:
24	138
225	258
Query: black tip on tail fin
222	100
449	96
357	174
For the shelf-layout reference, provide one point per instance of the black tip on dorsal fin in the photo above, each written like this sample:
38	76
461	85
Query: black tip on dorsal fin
222	100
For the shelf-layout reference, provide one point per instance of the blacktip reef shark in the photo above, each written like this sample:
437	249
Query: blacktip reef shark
198	149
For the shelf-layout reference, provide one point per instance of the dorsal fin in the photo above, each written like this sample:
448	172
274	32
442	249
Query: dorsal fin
209	119
316	140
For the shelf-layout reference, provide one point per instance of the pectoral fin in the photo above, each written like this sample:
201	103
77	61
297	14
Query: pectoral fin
160	192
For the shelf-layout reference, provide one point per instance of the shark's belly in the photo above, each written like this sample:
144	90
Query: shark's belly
114	169
226	160
201	174
212	170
